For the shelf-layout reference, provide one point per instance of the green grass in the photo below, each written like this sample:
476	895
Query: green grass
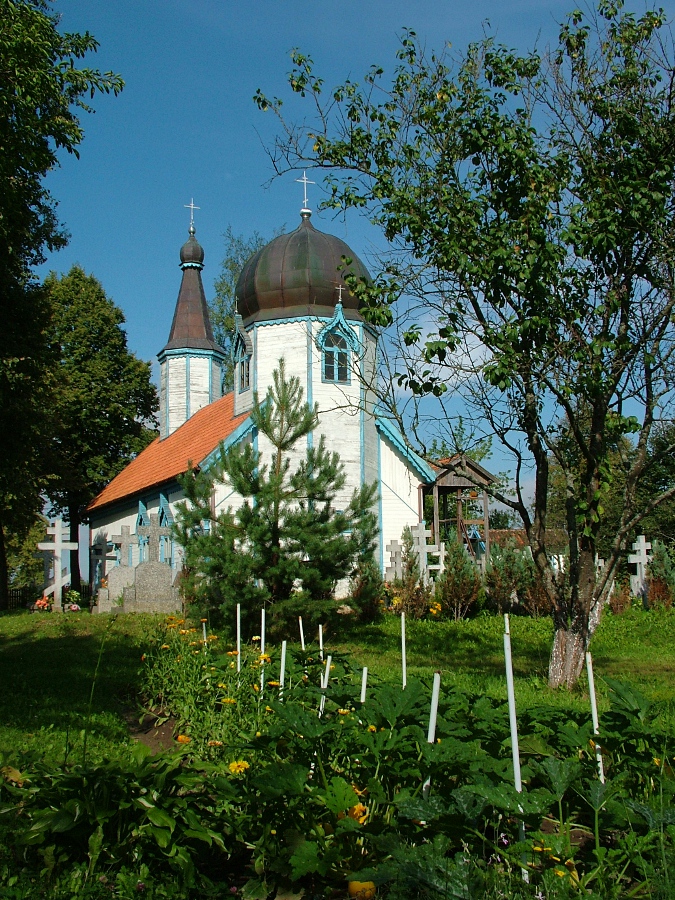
47	666
48	661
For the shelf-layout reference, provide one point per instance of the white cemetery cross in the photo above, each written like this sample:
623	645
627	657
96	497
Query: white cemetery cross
424	550
57	547
395	568
639	558
154	531
126	540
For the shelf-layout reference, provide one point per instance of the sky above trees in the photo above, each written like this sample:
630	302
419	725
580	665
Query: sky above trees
185	126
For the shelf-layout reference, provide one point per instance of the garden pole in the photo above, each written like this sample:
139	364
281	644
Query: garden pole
433	716
594	716
302	634
262	650
238	638
364	682
282	673
404	664
321	642
204	630
324	685
514	725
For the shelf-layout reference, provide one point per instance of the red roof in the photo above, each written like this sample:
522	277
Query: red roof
163	460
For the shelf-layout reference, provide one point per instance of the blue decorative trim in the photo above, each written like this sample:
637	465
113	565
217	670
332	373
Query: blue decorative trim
189	351
142	518
362	423
338	324
423	469
255	357
191	265
187	388
237	435
379	504
309	318
165	515
310	386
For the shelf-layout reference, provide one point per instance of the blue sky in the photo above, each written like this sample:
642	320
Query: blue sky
186	126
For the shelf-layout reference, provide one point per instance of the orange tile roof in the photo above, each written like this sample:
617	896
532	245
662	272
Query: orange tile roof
162	461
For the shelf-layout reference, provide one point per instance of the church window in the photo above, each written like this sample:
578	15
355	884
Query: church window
336	359
244	374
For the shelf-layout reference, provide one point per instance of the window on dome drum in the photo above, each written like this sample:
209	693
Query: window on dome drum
336	359
244	374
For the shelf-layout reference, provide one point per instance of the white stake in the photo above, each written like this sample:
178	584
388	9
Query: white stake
204	631
262	650
282	673
321	642
404	662
514	724
238	637
324	685
302	633
433	716
594	716
364	682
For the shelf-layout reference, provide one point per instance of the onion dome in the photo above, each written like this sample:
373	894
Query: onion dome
192	252
191	326
299	274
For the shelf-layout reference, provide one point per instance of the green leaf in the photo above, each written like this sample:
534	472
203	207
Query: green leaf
340	796
160	818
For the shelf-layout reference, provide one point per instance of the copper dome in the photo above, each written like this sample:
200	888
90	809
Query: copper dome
192	252
298	274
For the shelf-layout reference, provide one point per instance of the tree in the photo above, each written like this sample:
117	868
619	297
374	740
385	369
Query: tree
531	201
287	534
238	250
41	90
104	401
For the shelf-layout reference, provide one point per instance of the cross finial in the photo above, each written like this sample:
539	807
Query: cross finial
191	206
305	181
339	290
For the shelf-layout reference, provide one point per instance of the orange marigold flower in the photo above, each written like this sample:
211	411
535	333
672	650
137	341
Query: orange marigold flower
165	647
183	739
215	743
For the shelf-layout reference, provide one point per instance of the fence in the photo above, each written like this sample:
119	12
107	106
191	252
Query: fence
20	598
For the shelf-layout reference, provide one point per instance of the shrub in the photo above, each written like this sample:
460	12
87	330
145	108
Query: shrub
509	577
459	589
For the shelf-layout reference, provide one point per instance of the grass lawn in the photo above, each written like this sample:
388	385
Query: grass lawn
48	663
47	667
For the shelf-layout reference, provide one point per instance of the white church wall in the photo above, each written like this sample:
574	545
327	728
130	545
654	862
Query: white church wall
399	495
200	383
177	391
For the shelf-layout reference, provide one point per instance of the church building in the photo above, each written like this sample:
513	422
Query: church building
293	303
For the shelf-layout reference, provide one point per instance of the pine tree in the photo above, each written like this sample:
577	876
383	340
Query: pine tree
286	536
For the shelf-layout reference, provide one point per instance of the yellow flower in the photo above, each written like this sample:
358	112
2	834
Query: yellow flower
232	652
182	631
173	625
264	657
372	728
170	618
258	734
212	637
203	620
215	743
229	700
256	687
183	739
268	709
343	712
359	813
256	637
165	646
239	767
221	685
274	683
180	622
657	762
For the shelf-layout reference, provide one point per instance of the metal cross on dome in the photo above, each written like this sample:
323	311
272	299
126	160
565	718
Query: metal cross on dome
191	206
305	181
339	289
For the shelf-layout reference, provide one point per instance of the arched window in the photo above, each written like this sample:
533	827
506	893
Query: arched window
244	374
336	359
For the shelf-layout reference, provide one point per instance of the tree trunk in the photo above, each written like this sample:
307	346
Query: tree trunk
4	585
75	577
567	656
